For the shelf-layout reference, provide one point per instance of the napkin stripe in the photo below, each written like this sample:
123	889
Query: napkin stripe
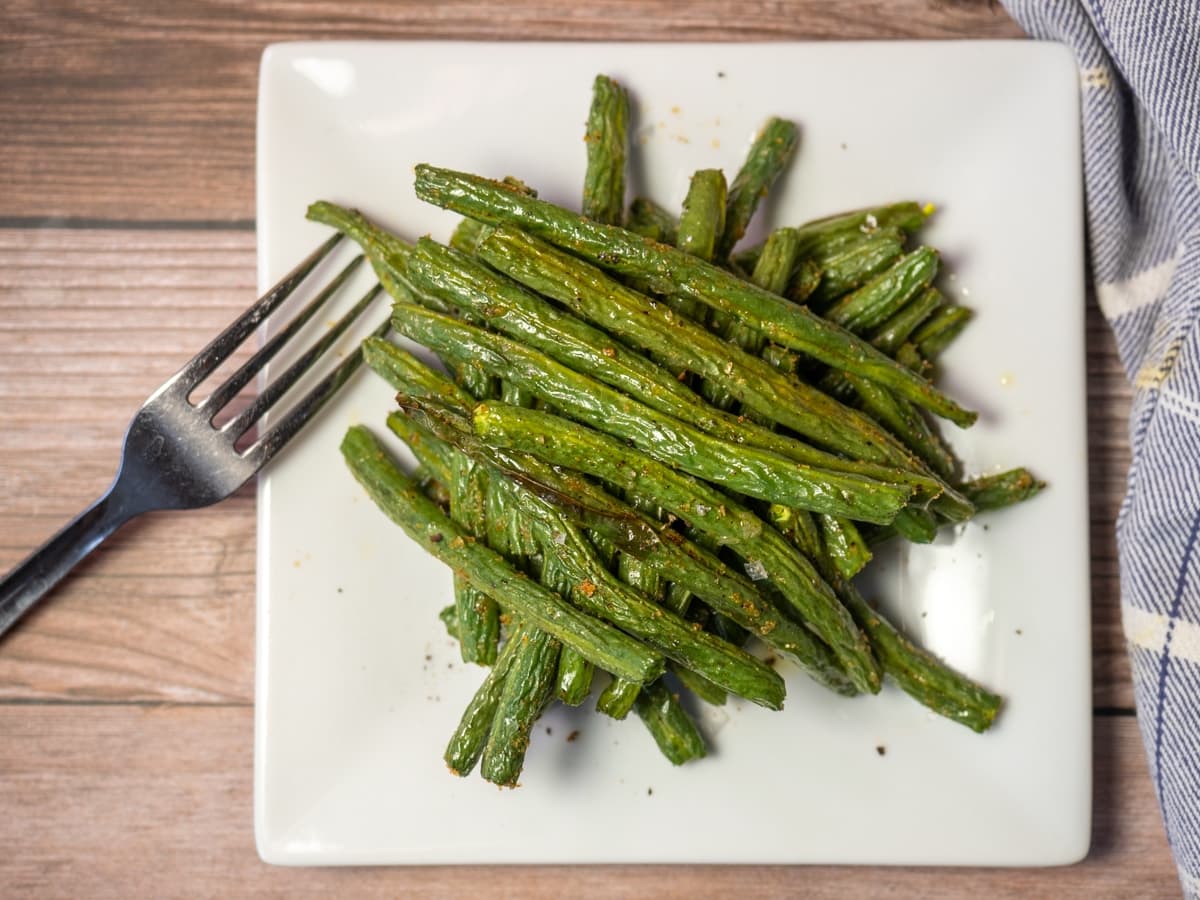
1189	882
1148	630
1181	405
1118	298
1164	666
1132	338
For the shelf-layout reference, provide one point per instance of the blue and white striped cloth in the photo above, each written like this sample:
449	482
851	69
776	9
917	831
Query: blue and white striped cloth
1139	63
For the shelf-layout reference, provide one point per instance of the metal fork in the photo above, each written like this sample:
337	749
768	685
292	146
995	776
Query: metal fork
175	457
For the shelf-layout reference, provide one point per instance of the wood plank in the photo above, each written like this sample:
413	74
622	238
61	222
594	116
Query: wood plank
1108	400
90	324
126	801
119	109
70	376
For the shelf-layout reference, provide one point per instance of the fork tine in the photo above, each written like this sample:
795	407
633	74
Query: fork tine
203	363
270	394
274	440
226	391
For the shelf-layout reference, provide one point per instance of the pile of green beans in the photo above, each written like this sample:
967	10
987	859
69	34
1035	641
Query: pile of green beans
646	452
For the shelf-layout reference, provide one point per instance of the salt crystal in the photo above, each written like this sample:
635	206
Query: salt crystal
756	570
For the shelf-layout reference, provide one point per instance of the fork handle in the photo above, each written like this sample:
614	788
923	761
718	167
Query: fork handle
31	580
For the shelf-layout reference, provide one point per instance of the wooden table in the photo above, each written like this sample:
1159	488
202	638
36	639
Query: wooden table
126	240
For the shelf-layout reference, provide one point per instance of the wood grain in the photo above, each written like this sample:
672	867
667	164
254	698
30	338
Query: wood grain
91	323
120	109
157	802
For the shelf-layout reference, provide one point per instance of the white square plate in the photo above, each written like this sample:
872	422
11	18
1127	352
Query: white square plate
358	687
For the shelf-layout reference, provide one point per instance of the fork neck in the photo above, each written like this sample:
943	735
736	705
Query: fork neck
47	566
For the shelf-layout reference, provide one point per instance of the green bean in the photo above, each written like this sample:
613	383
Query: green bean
1003	489
986	492
403	371
940	329
433	530
467	743
466	235
773	270
873	306
781	359
622	699
877	300
699	685
896	330
449	617
700	228
906	214
574	678
604	180
513	536
703	219
799	527
804	281
506	533
598	591
620	525
562	443
905	421
484	296
526	691
728	630
478	615
639	575
618	697
845	545
650	220
669	724
671	271
630	570
917	525
769	155
831	235
919	674
383	249
386	252
689	565
594	296
744	469
856	265
514	395
432	488
908	355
